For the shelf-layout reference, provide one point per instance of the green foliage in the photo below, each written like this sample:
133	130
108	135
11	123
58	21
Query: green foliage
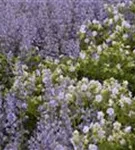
6	73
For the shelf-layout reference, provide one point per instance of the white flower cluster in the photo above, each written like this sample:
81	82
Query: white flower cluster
106	127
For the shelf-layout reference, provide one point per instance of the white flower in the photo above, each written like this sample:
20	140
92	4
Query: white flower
115	11
99	48
118	28
38	72
114	42
125	36
101	134
108	40
96	126
91	125
102	122
105	6
82	55
83	29
49	58
127	52
110	111
125	24
68	96
121	50
99	26
86	40
94	21
109	9
59	71
118	66
122	142
84	79
93	147
105	45
110	102
110	21
25	73
125	83
116	125
75	138
134	51
121	103
24	67
98	98
128	129
56	61
131	113
128	46
112	36
61	77
116	18
100	115
71	68
84	87
71	88
115	91
85	129
88	94
126	100
32	78
45	79
121	4
110	138
130	3
89	22
69	62
94	33
105	20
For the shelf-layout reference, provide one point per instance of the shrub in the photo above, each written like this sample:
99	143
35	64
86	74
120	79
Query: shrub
109	51
75	114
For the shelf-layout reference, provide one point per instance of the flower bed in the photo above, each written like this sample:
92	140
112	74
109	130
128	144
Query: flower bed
83	103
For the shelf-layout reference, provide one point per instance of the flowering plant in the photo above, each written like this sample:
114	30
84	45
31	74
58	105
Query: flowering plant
67	103
107	49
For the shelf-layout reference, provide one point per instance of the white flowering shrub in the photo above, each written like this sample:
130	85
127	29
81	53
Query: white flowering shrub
107	49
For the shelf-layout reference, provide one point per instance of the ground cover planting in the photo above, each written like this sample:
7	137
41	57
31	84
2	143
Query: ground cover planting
72	102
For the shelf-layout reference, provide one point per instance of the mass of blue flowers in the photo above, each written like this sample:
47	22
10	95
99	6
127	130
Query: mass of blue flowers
67	75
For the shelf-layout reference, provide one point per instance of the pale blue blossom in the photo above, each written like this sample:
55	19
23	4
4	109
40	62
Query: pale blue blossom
110	111
128	129
85	129
98	98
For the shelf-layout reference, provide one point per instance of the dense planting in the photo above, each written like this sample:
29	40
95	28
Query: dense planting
73	103
51	25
